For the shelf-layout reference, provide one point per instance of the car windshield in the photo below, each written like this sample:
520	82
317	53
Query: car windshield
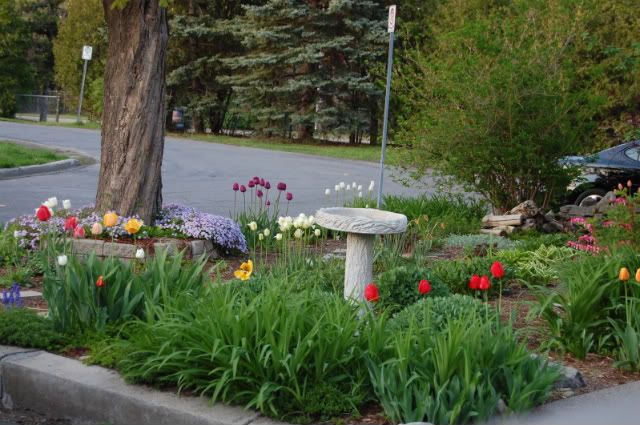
633	153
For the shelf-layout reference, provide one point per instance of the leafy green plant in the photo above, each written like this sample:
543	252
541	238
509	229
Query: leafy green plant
540	265
456	273
457	374
627	337
474	240
436	311
399	286
530	240
270	351
25	328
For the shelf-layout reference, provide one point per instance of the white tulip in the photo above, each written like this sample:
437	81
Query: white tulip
140	254
62	260
266	232
317	232
372	185
311	219
348	187
66	204
278	237
353	185
298	222
53	202
260	236
359	194
342	185
253	226
298	234
360	188
327	192
337	188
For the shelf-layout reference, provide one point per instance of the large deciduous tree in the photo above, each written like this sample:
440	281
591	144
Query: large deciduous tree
133	119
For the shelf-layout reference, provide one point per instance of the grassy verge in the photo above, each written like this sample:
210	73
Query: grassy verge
15	155
92	125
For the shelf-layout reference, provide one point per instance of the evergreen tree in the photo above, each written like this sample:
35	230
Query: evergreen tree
307	64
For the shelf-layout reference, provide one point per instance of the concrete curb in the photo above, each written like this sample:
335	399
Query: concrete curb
29	170
65	388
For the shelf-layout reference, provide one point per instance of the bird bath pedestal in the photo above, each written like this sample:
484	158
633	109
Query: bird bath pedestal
361	226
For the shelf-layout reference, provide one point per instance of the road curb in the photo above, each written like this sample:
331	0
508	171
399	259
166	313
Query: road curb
66	388
29	170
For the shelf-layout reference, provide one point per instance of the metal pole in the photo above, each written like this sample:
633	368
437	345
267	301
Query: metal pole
57	108
385	123
84	74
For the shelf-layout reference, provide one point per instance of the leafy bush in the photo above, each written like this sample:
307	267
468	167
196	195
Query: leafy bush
273	351
540	265
399	286
456	273
474	240
436	311
627	337
531	240
456	375
25	328
76	301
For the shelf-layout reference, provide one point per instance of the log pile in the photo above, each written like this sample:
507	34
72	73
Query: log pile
526	216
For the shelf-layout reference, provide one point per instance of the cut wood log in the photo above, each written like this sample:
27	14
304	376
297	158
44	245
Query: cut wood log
502	220
499	231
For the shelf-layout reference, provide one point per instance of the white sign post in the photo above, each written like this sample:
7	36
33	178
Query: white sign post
391	28
87	52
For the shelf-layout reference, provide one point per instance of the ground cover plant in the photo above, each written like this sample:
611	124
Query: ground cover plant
17	155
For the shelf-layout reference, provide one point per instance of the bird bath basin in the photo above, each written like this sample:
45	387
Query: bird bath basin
361	226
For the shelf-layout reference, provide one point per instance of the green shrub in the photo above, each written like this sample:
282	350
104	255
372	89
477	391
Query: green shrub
627	337
77	303
456	273
271	351
25	328
436	311
474	240
531	240
539	265
456	375
399	286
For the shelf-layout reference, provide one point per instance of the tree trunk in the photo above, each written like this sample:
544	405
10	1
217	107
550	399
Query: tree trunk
134	111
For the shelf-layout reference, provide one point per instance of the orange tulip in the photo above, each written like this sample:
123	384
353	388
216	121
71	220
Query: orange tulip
110	219
133	226
624	274
638	275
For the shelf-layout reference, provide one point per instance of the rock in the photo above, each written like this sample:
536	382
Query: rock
527	209
87	246
197	248
529	224
570	211
501	407
571	378
564	393
121	250
169	246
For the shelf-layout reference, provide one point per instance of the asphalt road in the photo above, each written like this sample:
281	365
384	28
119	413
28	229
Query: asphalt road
21	417
198	174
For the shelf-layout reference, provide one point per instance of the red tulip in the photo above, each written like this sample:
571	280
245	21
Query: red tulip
259	193
424	287
497	271
100	282
485	283
70	223
289	196
251	183
474	282
371	293
629	184
236	187
262	182
43	213
78	232
256	180
243	189
282	186
267	185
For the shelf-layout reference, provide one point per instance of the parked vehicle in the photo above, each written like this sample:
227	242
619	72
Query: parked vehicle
602	172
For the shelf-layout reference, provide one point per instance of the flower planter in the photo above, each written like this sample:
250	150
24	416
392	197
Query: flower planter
103	248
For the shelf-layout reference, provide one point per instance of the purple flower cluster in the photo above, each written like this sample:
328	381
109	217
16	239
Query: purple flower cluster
11	298
189	222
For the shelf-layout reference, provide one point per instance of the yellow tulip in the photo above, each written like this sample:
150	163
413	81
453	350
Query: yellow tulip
245	270
624	274
638	275
133	226
110	219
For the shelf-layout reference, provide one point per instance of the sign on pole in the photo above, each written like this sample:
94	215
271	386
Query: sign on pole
87	51
391	28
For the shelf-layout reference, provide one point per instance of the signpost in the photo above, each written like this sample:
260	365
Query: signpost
391	27
87	51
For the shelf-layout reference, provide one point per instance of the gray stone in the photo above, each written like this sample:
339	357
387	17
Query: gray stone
571	378
197	248
121	250
66	388
30	294
501	407
211	250
87	246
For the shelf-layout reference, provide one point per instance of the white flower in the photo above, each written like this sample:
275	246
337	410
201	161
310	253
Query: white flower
16	234
342	185
337	188
140	254
66	204
327	192
348	187
353	185
360	188
311	219
298	222
260	236
372	185
359	194
53	202
266	232
278	237
253	226
298	233
317	232
62	260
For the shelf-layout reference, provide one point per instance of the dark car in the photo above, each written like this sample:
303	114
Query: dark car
603	171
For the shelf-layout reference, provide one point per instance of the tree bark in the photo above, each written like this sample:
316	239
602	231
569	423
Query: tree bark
130	179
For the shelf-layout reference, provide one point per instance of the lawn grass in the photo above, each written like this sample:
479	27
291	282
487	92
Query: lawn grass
16	155
332	150
91	125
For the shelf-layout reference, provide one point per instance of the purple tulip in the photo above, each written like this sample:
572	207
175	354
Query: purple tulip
236	187
267	185
282	186
262	182
289	196
268	203
256	180
251	184
243	189
259	193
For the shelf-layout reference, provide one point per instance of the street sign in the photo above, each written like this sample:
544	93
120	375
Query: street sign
87	51
392	19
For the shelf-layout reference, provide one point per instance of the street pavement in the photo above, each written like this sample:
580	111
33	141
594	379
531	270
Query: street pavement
198	174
